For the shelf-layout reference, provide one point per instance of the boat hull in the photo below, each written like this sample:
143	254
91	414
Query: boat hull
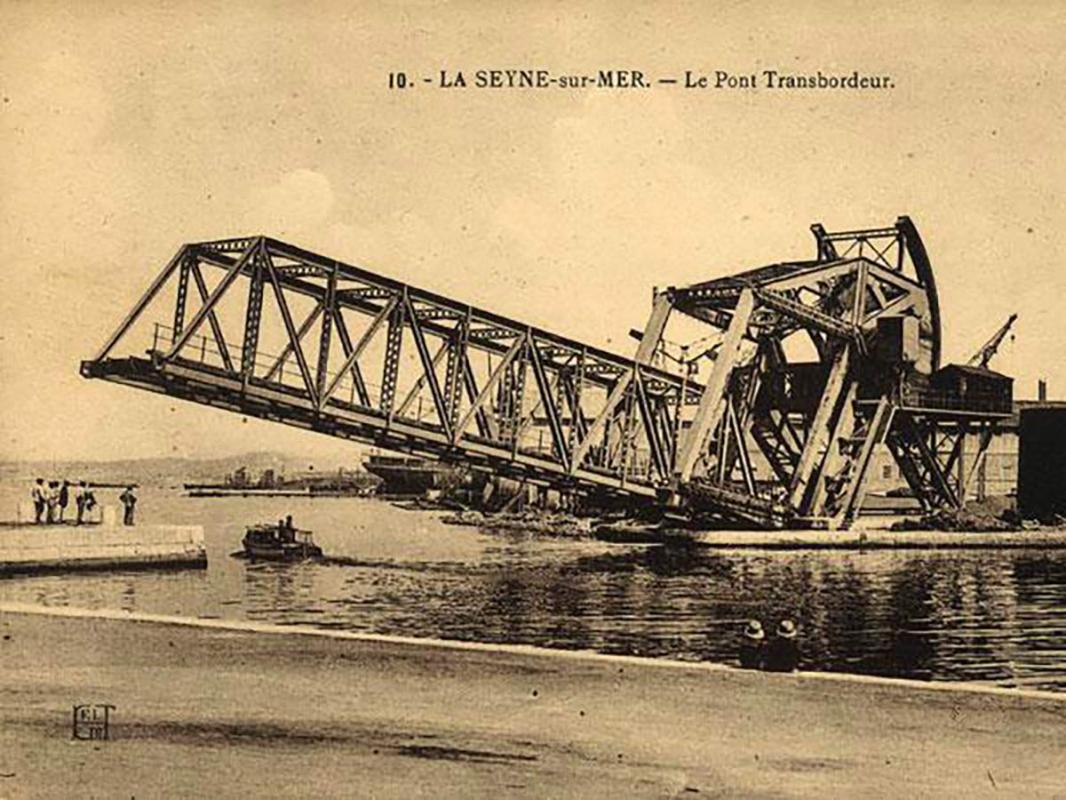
284	553
273	543
411	476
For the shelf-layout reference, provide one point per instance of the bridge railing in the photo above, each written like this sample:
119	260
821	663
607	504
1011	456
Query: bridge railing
205	350
447	378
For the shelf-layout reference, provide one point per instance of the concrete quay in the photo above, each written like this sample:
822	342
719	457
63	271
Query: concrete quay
36	548
221	709
875	539
855	539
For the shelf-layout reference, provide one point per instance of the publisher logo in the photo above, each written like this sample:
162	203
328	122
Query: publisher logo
91	722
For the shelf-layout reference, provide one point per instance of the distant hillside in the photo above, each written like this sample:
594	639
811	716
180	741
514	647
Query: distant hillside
165	471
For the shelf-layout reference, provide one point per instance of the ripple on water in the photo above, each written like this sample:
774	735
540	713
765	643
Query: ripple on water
992	616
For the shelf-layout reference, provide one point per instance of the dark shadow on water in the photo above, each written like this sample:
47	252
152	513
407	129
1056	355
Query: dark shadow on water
925	615
993	616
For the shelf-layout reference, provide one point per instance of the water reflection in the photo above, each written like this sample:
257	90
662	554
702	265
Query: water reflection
932	616
992	616
273	589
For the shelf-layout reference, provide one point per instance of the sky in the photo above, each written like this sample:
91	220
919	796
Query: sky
129	128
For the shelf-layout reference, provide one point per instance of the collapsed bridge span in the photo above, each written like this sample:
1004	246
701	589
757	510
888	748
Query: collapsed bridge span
744	433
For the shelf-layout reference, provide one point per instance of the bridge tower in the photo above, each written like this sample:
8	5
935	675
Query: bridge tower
267	329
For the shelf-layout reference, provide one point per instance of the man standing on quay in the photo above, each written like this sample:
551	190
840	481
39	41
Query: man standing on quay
129	500
38	500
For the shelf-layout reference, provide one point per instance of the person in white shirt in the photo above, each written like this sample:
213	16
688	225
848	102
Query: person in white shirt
51	501
39	495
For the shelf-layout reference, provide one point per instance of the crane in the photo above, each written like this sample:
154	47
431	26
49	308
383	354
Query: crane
983	356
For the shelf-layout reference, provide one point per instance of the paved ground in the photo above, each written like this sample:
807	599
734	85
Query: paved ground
213	712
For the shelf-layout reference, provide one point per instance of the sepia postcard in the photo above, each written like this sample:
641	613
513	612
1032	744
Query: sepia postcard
532	399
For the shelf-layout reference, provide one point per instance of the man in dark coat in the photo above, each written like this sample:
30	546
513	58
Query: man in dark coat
79	503
64	498
129	500
751	646
782	653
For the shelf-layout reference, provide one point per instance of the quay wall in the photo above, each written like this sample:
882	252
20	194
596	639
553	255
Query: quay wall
29	548
883	540
858	539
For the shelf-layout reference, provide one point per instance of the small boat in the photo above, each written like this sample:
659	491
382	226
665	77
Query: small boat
273	542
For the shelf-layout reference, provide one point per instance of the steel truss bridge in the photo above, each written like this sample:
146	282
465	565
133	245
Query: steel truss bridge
763	440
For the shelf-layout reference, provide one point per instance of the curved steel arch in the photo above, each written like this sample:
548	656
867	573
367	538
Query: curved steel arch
924	270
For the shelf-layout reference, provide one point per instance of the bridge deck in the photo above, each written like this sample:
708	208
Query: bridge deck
532	404
465	384
207	385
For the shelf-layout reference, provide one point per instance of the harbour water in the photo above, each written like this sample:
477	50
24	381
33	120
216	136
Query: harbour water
996	617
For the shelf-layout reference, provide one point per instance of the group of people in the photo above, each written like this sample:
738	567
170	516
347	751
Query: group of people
779	653
286	531
51	500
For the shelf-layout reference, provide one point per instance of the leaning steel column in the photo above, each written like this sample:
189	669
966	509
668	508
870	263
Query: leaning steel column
252	316
653	332
391	368
329	310
712	402
818	436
